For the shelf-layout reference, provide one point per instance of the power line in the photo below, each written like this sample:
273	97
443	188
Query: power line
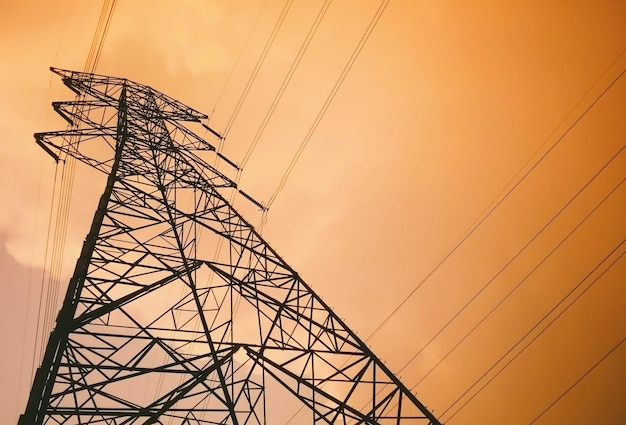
239	56
257	67
552	134
24	359
105	32
286	80
529	332
329	99
39	309
355	53
510	292
584	375
248	86
515	256
64	198
285	83
230	75
492	209
67	178
597	206
494	308
528	244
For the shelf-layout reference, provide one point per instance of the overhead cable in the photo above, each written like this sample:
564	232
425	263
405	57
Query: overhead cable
505	266
493	208
328	101
578	381
536	326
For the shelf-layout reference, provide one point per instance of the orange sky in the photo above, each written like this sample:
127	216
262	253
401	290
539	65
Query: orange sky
448	105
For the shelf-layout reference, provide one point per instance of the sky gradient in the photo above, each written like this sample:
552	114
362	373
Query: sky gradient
509	115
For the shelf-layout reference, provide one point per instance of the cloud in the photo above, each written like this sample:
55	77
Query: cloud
184	37
19	295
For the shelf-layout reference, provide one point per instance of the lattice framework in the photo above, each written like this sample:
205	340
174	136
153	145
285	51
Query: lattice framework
154	328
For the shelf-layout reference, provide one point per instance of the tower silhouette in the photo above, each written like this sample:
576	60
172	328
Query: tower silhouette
155	327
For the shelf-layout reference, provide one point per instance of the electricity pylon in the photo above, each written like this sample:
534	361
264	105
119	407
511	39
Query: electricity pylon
157	326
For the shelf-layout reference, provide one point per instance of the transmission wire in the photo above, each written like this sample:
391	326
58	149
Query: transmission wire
517	184
65	190
53	279
271	109
545	142
503	268
493	208
543	319
230	74
518	285
32	260
103	37
286	80
493	309
462	240
251	79
329	99
239	56
477	223
40	307
67	185
584	375
257	67
248	86
355	53
481	220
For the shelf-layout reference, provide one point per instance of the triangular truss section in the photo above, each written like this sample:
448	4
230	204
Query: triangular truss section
156	329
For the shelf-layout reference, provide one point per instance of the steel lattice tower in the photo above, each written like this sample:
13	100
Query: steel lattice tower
154	328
